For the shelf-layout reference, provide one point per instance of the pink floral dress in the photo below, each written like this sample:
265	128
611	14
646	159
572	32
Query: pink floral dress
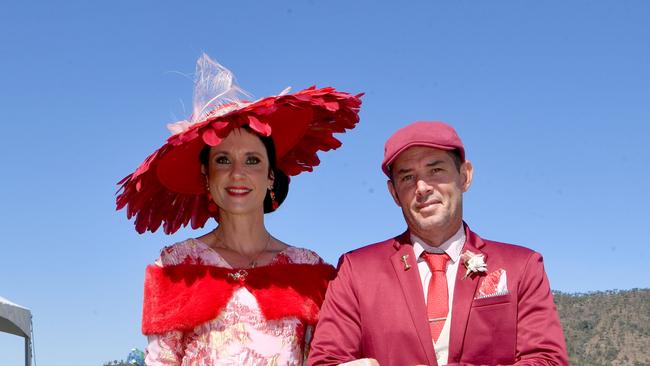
240	335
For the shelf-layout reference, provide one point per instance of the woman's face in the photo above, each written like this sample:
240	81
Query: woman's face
238	173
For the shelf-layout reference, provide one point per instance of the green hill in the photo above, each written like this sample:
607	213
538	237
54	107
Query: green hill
606	328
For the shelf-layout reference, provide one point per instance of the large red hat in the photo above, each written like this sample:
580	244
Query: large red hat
168	187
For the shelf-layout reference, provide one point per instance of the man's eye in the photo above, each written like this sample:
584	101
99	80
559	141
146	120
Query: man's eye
406	178
222	160
252	160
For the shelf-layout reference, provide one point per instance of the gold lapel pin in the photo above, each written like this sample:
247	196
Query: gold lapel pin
406	265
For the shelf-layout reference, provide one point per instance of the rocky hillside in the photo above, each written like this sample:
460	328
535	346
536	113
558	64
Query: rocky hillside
606	328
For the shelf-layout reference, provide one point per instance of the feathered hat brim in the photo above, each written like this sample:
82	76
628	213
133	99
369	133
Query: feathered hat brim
168	188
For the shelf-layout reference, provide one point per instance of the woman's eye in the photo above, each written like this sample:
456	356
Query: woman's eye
252	160
222	160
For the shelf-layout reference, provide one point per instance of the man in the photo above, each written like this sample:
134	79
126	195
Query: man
438	294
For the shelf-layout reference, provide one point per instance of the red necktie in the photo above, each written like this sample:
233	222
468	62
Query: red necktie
437	296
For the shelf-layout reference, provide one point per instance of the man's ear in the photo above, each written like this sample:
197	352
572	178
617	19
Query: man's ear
393	193
466	175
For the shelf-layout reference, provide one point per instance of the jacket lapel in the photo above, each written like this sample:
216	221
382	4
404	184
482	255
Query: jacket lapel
464	291
406	270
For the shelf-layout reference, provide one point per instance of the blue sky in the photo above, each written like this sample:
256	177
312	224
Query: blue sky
551	99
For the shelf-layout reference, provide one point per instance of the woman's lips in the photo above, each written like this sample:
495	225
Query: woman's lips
238	191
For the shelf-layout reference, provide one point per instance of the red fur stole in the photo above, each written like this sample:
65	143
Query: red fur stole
183	296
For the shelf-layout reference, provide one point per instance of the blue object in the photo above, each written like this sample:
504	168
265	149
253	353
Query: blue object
136	357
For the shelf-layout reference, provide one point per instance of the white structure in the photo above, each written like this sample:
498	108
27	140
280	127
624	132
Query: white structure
15	319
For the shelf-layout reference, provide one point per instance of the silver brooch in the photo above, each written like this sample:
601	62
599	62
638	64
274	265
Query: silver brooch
239	275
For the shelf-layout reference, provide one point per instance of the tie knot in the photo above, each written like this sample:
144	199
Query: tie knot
436	261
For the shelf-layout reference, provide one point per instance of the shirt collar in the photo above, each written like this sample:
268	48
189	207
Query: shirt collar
452	246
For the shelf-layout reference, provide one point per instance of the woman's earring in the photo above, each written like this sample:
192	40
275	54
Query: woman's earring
212	206
274	203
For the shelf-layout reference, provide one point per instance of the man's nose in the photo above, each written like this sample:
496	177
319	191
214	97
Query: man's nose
422	189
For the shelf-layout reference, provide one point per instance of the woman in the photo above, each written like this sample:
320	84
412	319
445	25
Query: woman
235	295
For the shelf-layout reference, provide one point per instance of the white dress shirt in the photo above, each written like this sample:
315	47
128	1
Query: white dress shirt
453	247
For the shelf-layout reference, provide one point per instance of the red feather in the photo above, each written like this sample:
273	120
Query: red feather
153	204
184	296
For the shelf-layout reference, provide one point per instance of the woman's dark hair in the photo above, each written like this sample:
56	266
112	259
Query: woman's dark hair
280	180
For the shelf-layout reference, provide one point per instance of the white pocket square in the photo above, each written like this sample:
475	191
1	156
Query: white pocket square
494	284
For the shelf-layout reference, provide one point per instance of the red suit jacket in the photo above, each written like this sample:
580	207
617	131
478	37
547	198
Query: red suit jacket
375	308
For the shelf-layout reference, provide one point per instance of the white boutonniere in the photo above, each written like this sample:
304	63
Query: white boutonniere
473	262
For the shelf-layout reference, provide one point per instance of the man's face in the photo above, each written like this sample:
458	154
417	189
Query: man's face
429	188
